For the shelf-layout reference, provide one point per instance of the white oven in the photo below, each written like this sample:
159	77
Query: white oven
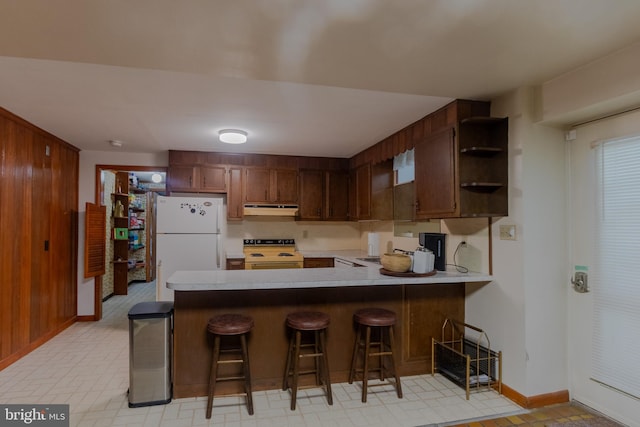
268	254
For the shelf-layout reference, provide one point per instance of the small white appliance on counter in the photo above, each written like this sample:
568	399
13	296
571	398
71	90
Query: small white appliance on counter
373	244
187	237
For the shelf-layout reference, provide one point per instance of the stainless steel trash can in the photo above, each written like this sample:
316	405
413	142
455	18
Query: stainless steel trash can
150	353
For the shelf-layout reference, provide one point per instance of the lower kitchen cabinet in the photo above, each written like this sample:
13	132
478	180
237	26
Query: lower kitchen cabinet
321	262
235	264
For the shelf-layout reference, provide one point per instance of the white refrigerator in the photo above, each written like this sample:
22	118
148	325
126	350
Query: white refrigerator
187	238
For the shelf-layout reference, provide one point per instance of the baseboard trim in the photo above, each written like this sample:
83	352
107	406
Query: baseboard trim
87	318
538	401
14	357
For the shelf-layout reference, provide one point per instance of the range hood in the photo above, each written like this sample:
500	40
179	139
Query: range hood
270	210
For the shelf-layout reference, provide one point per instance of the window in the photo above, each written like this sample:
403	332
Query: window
616	286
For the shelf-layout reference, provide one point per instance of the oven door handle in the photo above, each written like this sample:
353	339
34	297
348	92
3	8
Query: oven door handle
272	265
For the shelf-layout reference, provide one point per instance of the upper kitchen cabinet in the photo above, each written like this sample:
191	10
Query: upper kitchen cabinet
483	163
324	195
336	195
311	194
360	193
189	172
266	185
435	176
372	189
462	170
234	194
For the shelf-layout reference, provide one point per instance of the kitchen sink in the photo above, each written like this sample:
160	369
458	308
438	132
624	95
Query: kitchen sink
374	259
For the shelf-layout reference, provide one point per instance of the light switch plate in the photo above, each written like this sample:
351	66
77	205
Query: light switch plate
508	232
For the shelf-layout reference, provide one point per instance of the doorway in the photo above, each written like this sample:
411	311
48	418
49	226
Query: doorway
583	244
128	193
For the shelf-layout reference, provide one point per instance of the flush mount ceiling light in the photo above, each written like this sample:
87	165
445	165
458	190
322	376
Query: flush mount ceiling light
156	177
115	143
232	136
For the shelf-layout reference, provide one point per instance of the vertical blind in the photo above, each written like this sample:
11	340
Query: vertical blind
616	285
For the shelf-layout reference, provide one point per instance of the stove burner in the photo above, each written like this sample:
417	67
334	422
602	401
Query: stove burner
285	254
257	255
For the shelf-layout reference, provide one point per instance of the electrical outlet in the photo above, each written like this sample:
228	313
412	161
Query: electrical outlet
507	232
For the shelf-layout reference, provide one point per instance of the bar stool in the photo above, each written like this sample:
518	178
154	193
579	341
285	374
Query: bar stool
227	325
307	321
382	320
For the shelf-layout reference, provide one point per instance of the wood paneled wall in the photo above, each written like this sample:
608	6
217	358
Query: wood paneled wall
38	236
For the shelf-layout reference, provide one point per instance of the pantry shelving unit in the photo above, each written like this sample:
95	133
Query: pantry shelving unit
120	233
464	356
138	236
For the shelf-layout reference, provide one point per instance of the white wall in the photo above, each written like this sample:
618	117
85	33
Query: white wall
523	310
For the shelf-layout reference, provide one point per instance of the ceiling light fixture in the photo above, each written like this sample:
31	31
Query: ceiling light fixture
156	177
233	136
115	143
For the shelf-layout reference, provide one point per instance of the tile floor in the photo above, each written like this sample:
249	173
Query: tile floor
87	367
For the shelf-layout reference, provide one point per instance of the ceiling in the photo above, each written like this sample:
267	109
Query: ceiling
302	77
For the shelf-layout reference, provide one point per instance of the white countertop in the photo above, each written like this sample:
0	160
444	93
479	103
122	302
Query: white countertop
301	278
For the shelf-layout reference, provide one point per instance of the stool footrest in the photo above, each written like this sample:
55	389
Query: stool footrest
230	379
230	361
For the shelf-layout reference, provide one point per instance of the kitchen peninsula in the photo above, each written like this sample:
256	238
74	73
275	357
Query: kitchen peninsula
421	303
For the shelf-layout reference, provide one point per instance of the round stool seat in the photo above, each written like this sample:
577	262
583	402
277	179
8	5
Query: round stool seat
308	320
375	317
230	324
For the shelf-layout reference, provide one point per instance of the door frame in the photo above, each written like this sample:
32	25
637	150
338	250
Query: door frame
581	214
99	197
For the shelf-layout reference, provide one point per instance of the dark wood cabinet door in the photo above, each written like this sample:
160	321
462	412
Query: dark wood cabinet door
285	186
435	176
363	192
235	264
234	194
181	178
256	185
337	196
311	194
324	262
213	179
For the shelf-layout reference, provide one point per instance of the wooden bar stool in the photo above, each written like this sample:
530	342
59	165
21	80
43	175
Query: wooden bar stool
227	325
317	323
382	321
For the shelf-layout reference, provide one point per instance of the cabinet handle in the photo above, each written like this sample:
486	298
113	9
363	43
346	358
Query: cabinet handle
417	205
190	181
318	211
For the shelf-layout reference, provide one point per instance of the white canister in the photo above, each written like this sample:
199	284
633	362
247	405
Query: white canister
423	260
373	244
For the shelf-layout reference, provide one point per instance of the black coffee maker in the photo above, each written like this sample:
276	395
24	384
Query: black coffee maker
435	243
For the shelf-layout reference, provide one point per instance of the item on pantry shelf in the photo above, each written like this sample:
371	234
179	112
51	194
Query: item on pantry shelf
396	262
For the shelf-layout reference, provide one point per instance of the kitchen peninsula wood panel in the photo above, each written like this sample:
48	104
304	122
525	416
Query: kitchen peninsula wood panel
421	310
38	243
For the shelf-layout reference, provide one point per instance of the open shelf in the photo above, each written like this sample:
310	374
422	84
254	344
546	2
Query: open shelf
482	187
481	151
